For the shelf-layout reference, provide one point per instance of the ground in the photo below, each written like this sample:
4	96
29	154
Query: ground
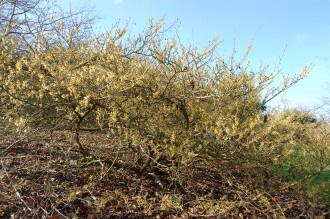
43	176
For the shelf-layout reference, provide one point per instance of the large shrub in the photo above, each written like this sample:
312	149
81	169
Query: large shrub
168	103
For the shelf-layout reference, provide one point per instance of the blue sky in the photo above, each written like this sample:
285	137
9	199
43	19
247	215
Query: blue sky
299	29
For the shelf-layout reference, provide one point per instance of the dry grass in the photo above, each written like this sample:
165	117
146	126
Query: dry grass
43	177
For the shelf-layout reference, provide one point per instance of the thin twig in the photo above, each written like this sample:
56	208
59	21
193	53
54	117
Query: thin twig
14	187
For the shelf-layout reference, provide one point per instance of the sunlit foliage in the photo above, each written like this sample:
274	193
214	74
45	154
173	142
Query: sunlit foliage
172	105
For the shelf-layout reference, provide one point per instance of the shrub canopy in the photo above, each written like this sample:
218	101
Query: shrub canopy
172	105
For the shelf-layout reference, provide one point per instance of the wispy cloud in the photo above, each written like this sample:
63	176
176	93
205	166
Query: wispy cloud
117	2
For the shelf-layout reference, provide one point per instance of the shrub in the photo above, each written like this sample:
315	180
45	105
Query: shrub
165	101
173	106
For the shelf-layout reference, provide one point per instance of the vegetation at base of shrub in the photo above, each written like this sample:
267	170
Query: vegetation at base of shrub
173	109
40	169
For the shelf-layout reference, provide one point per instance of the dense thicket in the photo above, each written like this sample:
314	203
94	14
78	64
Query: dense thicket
174	107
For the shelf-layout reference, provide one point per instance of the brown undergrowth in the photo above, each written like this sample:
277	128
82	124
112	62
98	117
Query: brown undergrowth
42	176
